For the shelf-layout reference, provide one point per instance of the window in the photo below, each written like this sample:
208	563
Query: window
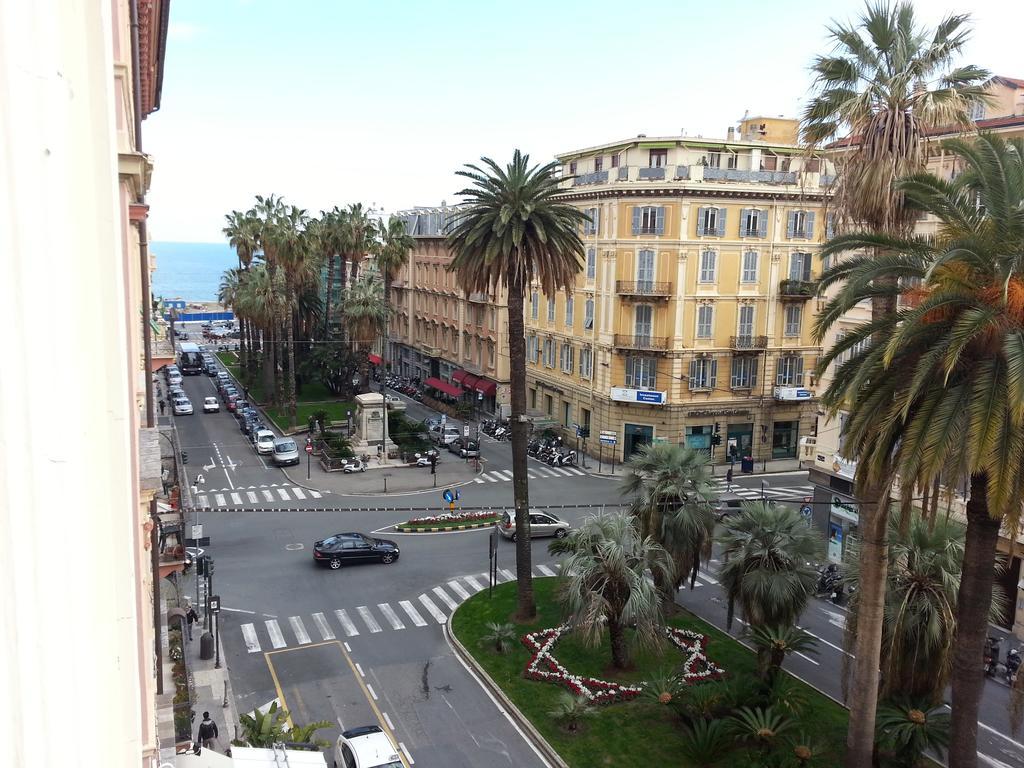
793	314
715	159
769	162
566	414
649	220
749	274
711	221
551	310
534	304
586	362
548	404
572	168
705	316
784	439
753	223
789	371
591	263
658	158
643	317
708	260
744	372
594	216
813	165
588	314
645	268
615	161
800	267
978	111
494	319
549	353
641	372
800	224
533	398
830	226
490	356
585	418
566	356
532	349
731	160
703	373
570	304
745	327
598	164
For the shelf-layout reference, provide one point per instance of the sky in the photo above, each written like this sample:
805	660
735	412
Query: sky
330	102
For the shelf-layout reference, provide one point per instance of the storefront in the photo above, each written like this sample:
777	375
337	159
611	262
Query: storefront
699	437
636	435
785	436
739	440
841	526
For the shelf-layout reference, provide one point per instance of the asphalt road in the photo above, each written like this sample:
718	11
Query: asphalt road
365	644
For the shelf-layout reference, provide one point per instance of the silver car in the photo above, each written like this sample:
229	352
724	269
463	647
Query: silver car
182	406
541	524
285	452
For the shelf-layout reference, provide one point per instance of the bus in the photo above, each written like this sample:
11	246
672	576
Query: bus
190	359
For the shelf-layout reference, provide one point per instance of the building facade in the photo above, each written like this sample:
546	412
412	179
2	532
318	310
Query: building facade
454	342
691	320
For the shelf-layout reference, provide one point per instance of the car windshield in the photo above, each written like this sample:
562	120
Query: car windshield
181	401
211	401
285	447
266	438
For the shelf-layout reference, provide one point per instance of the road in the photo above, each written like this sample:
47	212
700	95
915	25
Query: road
365	644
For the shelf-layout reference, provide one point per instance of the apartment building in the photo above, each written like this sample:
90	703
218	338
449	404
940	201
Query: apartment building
454	342
830	471
691	319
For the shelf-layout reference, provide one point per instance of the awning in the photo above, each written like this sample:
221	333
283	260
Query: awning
486	386
375	359
444	386
459	375
469	380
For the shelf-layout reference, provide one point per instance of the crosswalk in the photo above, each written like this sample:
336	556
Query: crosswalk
261	494
792	494
534	472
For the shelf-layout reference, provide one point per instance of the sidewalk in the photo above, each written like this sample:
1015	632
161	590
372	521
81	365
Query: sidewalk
774	466
393	477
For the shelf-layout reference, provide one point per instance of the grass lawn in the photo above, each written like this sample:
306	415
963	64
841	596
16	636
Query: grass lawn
637	732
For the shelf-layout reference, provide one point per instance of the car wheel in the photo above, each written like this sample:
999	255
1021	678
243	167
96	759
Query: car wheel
335	563
387	558
513	537
561	533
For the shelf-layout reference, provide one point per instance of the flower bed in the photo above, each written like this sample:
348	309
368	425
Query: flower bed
544	666
454	517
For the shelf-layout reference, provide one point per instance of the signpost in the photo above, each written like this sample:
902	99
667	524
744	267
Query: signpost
197	531
607	437
309	453
215	610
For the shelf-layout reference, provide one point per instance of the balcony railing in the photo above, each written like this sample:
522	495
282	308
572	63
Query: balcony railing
597	177
801	290
623	173
643	343
643	288
479	297
652	173
764	177
682	171
748	342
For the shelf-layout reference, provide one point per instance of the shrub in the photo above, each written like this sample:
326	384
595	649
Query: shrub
704	742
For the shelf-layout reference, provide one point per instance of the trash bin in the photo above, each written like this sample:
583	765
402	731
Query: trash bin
747	465
206	646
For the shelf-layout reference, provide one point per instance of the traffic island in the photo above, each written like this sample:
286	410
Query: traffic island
556	693
457	521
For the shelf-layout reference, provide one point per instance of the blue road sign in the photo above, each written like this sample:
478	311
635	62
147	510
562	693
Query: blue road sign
447	495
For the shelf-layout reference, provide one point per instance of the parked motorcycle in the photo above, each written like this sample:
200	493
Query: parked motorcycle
991	657
830	583
1012	665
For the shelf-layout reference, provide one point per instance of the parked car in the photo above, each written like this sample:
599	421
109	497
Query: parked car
445	435
345	548
467	449
394	402
366	747
241	405
354	465
231	400
174	377
250	423
176	391
210	405
264	441
285	452
182	406
432	423
211	369
541	524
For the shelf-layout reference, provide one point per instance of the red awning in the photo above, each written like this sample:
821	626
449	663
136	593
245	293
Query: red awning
375	359
469	380
459	375
486	386
444	386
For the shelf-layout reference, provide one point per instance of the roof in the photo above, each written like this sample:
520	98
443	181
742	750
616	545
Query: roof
990	123
652	140
1015	82
374	747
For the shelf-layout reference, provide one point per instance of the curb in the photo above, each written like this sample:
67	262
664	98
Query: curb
344	494
538	742
445	529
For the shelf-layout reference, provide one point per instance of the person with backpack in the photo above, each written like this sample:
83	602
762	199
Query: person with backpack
191	617
207	731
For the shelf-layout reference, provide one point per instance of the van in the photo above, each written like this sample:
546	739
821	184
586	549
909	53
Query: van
446	434
286	452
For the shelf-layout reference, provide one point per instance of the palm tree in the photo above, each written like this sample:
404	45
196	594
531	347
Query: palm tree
359	234
366	315
672	501
605	583
258	300
243	236
909	729
942	395
886	85
774	643
514	231
767	549
392	254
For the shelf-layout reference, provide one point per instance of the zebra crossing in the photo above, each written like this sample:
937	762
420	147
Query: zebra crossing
534	472
262	494
793	494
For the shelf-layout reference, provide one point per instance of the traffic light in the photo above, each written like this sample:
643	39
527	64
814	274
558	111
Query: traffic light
585	432
716	439
718	427
433	463
184	457
201	565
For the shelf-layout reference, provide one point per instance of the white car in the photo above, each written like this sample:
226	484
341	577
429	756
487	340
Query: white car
366	747
394	403
182	406
174	377
264	441
211	405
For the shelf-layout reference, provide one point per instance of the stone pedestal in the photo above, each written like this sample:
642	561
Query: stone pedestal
368	434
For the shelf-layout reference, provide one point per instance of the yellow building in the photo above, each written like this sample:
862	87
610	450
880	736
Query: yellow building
454	342
691	321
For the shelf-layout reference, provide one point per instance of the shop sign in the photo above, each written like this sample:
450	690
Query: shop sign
645	396
844	511
793	393
717	412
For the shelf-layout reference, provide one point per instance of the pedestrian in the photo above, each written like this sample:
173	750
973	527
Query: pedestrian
162	406
207	732
191	617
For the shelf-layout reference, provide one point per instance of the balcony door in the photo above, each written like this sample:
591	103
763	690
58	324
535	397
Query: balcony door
645	271
642	326
746	324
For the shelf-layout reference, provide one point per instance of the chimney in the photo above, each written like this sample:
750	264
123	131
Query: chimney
731	133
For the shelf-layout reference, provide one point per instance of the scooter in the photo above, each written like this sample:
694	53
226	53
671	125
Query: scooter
1012	665
991	657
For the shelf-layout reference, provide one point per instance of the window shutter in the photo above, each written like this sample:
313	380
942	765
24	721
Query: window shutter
809	232
659	226
762	224
720	228
597	220
830	226
636	219
744	219
700	220
798	379
806	276
714	374
693	373
790	225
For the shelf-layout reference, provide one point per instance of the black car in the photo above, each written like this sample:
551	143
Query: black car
348	548
241	406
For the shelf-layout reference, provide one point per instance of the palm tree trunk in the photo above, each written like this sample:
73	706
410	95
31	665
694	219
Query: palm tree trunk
617	635
526	609
278	362
290	380
342	282
867	647
327	300
973	602
269	362
243	350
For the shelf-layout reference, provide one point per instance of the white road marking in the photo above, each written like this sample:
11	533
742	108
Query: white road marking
561	471
372	692
488	478
283	494
298	493
359	669
368	620
388	720
299	629
433	609
532	477
203	501
219	498
390	615
347	647
504	472
316	494
478	480
545	570
252	642
547	473
576	471
408	757
476	585
509	576
236	498
267	495
458	589
276	638
346	623
418	620
452	605
251	496
708	579
321	624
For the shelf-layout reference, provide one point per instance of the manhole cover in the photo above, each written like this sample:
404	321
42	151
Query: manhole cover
294	547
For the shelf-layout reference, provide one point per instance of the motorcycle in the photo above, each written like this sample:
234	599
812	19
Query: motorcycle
991	657
1012	665
830	583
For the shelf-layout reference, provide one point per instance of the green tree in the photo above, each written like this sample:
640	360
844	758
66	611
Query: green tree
264	729
513	232
366	315
570	710
773	643
908	729
358	235
886	84
392	254
673	499
242	232
501	635
605	584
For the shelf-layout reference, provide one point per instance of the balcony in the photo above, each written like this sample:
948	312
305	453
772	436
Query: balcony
748	343
762	177
796	290
597	177
652	174
643	289
479	297
641	343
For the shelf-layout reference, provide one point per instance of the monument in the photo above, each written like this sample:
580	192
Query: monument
369	426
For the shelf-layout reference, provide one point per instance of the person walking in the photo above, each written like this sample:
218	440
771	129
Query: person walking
207	732
162	406
191	617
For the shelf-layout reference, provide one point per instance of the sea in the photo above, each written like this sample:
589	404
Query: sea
190	271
